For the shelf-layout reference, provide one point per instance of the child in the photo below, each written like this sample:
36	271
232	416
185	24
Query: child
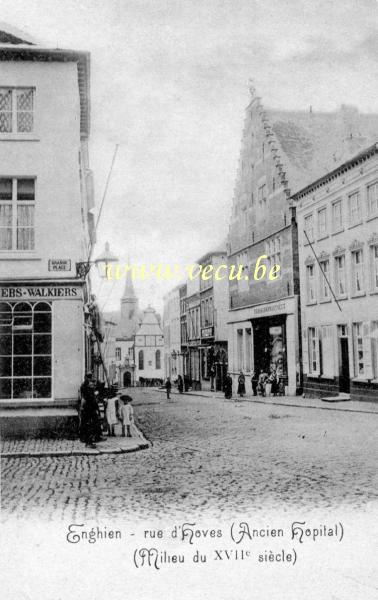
111	414
127	414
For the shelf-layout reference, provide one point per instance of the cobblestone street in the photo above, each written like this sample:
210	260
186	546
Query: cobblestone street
209	457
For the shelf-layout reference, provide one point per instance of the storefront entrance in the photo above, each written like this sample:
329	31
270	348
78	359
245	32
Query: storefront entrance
269	342
344	377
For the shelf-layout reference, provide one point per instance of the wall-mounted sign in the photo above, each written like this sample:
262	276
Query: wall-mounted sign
59	264
38	292
207	332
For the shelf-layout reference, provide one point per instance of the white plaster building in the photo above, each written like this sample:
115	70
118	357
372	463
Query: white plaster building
339	213
46	227
149	348
172	337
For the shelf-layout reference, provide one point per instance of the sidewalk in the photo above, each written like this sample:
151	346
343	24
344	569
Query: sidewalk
63	447
292	401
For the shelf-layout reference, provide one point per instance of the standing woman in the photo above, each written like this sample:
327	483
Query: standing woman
180	384
241	384
227	385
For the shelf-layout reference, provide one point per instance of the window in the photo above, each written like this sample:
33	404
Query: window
157	360
240	354
374	253
355	214
357	272
310	271
140	360
337	216
273	252
324	275
248	349
118	353
309	227
340	275
374	343
358	349
17	203
16	110
261	194
25	350
322	222
372	197
313	350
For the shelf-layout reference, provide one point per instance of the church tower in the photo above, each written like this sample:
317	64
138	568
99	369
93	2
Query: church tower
129	310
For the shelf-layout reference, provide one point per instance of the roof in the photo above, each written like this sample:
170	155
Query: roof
312	144
150	323
356	160
14	48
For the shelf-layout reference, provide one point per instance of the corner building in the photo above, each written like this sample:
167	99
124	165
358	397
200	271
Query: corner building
46	227
281	152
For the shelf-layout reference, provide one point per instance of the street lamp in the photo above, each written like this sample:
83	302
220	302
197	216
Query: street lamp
107	257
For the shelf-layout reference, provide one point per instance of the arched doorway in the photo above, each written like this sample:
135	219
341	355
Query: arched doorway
127	379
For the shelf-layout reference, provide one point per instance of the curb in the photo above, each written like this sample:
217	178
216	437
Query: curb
246	399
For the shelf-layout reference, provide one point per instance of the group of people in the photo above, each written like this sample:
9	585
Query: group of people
118	409
259	382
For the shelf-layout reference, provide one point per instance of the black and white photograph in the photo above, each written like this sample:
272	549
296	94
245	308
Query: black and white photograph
189	299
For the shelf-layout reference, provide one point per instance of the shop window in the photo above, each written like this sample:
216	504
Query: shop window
157	360
358	272
17	204
372	198
359	355
16	110
313	350
337	216
141	360
25	350
355	214
340	275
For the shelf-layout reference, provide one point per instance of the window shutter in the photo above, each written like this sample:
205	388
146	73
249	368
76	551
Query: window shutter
305	352
327	351
317	333
368	371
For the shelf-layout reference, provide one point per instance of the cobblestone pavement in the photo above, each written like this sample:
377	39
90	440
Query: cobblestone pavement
209	457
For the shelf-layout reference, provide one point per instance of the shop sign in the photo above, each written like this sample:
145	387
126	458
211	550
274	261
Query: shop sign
40	292
207	332
59	264
275	330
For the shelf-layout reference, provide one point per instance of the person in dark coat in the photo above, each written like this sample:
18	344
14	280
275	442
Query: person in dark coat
168	387
227	386
88	412
180	384
241	384
254	381
274	381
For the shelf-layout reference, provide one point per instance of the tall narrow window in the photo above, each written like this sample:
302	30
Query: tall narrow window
324	275
141	360
240	354
374	257
355	214
322	222
157	359
118	353
358	272
16	110
358	349
310	272
313	350
340	275
17	205
337	216
372	197
309	227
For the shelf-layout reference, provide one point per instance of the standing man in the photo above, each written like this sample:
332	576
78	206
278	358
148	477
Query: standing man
168	387
88	411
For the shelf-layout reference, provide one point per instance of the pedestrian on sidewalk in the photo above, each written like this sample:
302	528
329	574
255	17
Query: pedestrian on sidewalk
254	381
262	382
180	384
88	412
227	385
127	414
168	387
111	412
241	384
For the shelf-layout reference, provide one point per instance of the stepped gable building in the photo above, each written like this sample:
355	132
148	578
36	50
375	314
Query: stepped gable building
282	151
149	349
46	230
338	214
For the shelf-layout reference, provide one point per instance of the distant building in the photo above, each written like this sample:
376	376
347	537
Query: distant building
172	338
339	213
282	151
149	349
46	230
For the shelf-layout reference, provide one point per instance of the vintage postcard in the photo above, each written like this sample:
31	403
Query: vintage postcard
189	299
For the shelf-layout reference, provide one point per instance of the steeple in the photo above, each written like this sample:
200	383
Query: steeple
129	308
128	292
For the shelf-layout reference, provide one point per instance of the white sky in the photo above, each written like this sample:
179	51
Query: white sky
169	84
